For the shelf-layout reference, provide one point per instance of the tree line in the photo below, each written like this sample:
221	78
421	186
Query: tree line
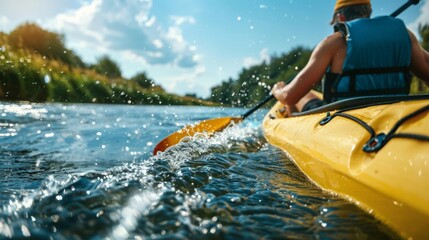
419	86
35	65
254	83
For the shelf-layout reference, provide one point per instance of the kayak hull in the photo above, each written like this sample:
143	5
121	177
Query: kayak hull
390	183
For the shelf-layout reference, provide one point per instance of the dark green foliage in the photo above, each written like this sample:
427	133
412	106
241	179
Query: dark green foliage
143	80
424	34
36	66
51	45
20	82
60	91
254	84
418	86
100	93
107	67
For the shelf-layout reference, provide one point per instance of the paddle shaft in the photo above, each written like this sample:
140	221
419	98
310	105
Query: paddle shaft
267	99
403	7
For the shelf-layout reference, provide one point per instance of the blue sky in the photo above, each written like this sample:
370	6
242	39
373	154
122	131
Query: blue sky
188	46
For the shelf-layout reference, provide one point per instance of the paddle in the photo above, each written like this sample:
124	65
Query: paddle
403	7
211	126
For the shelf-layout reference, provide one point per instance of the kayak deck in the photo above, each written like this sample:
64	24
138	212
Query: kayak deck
391	183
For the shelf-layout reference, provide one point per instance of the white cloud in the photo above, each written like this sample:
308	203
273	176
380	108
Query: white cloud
158	43
150	22
187	82
179	20
251	61
5	23
422	19
132	56
126	26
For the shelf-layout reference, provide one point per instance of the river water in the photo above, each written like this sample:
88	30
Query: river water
71	171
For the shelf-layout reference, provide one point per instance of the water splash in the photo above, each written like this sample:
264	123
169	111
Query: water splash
232	185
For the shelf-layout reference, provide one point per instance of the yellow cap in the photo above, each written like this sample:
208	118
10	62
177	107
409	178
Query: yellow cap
345	3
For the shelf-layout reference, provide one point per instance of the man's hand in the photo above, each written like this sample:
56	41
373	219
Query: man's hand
278	92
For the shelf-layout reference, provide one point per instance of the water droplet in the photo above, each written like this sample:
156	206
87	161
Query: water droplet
49	135
25	231
47	79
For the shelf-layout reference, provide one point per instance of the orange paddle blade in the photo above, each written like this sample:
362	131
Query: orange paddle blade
209	126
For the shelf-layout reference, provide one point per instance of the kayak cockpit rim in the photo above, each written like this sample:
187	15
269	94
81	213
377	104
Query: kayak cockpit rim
360	102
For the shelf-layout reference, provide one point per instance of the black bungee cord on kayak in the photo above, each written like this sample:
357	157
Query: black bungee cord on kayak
377	141
329	117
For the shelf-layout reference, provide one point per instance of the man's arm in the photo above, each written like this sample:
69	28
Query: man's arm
419	60
312	73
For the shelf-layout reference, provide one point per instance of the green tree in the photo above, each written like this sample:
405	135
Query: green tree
418	86
143	80
223	93
74	60
424	34
107	67
49	44
253	83
33	37
192	95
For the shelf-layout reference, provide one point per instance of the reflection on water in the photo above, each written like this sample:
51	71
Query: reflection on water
79	172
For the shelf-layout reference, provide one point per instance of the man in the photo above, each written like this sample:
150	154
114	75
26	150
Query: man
363	57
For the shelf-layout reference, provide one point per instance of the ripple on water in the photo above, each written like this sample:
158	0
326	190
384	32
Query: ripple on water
232	186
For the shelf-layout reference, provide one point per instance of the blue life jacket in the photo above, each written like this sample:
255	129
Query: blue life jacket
377	61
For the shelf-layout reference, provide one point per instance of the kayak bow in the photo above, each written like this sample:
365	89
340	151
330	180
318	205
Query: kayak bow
330	146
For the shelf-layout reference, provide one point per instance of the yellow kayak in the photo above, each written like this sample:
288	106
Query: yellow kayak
376	156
